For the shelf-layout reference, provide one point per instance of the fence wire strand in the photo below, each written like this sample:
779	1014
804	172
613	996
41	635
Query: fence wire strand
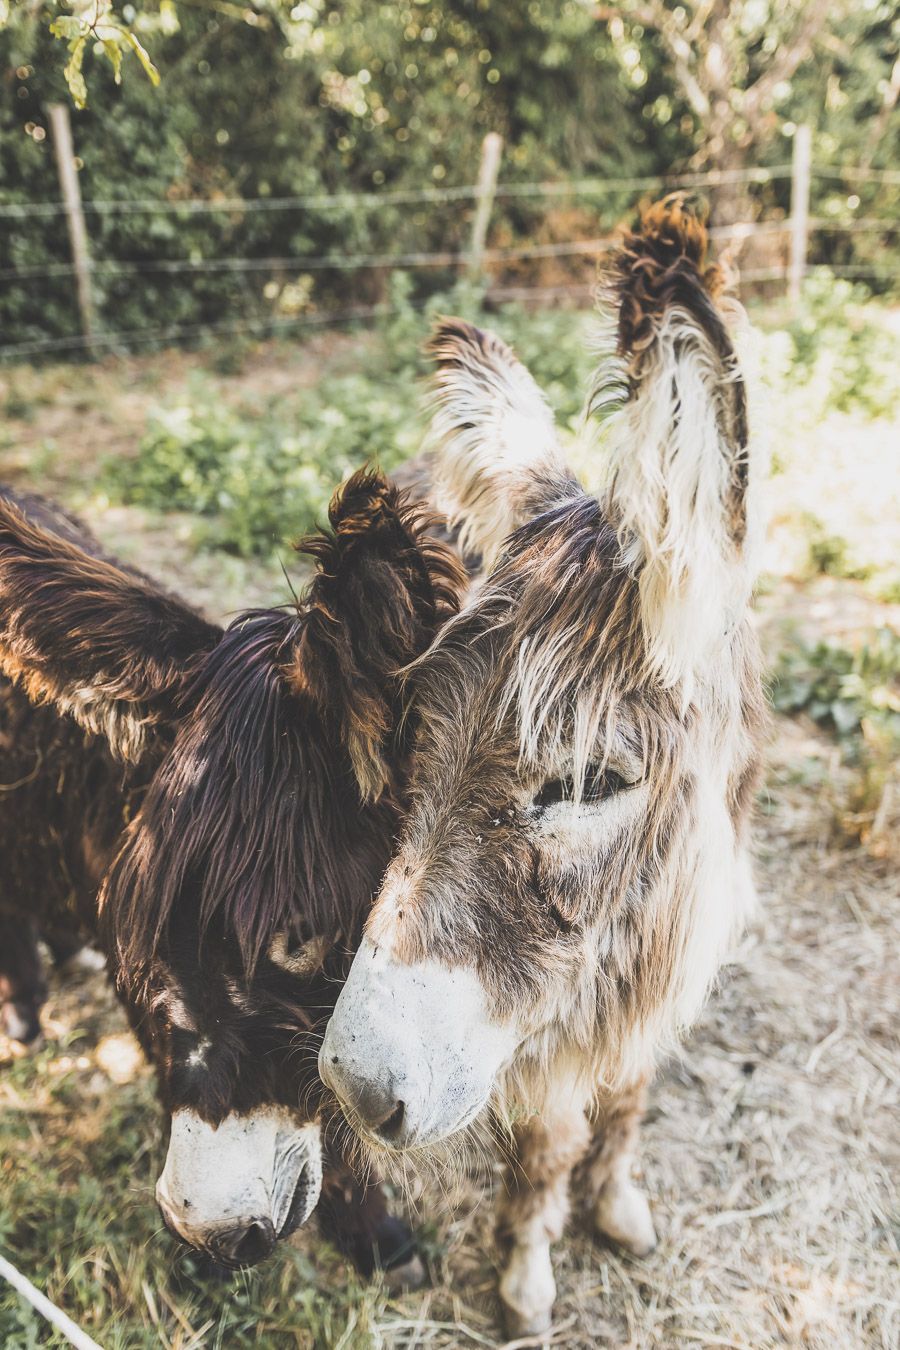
264	327
326	201
401	197
373	261
298	264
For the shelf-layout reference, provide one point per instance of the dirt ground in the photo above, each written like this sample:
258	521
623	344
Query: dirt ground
771	1149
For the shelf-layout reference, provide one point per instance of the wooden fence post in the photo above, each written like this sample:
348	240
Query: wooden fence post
71	194
491	149
801	171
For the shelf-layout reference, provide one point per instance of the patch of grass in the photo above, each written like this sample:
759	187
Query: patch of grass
260	476
856	696
78	1162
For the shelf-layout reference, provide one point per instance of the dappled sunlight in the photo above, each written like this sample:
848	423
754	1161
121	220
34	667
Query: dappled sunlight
769	1141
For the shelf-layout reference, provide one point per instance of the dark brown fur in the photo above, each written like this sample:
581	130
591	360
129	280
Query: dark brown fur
245	807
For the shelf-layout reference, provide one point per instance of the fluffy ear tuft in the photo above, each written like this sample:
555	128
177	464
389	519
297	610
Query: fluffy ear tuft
102	644
660	265
679	481
384	585
497	460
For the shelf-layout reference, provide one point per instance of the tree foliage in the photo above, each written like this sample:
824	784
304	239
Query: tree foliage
272	99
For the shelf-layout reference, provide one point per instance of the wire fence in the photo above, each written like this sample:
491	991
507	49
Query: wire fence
335	262
408	197
364	261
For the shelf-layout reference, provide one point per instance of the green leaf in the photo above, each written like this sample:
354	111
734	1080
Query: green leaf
113	51
142	55
69	28
72	72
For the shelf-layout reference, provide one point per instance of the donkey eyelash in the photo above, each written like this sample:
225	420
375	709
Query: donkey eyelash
599	783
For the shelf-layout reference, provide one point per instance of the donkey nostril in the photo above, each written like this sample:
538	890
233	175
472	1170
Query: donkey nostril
390	1127
245	1246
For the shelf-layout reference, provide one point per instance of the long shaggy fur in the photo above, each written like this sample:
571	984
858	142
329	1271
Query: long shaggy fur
677	446
236	850
101	643
589	738
495	436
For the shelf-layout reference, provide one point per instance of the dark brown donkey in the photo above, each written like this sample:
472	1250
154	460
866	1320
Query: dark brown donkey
218	807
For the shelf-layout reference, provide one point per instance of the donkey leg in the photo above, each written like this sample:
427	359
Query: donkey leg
23	989
355	1217
533	1209
621	1211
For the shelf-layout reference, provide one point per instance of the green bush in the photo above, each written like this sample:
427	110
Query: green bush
258	477
840	349
856	696
257	481
843	690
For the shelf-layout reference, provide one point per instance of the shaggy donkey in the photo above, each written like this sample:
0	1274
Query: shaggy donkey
573	869
218	807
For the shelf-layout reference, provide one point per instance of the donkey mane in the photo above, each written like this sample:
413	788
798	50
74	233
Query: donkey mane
273	753
417	582
248	766
558	620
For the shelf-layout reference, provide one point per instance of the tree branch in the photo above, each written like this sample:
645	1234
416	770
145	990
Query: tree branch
880	124
655	16
788	58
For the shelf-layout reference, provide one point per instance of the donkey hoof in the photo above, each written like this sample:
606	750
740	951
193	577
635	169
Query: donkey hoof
403	1279
528	1292
517	1323
623	1214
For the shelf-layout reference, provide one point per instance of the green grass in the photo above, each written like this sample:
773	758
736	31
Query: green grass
80	1157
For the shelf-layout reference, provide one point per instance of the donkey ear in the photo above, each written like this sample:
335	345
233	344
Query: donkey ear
383	587
99	643
675	407
497	461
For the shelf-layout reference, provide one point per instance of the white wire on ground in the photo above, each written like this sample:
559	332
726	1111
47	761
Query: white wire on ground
74	1335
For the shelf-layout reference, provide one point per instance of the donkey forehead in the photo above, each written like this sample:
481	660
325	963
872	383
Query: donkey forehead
551	650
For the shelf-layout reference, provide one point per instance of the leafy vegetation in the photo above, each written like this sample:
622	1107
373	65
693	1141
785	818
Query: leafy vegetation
843	690
259	476
840	352
375	97
855	695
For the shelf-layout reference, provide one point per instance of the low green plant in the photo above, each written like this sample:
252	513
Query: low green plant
258	477
855	695
843	689
839	348
831	554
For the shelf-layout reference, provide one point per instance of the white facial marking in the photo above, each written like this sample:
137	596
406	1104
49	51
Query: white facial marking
599	824
419	1034
248	1168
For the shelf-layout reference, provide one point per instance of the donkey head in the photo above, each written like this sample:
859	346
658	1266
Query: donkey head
570	870
267	773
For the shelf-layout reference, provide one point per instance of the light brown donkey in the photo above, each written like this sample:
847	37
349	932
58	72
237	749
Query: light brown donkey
574	869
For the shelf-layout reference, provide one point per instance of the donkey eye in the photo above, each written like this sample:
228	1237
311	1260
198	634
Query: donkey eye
599	783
